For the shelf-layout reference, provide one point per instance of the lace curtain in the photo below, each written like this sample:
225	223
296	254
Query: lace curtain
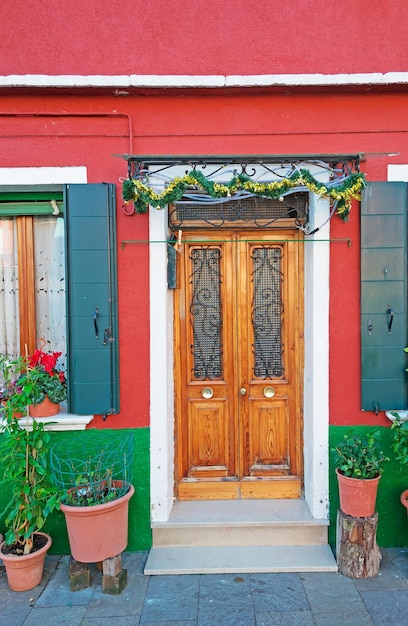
49	275
9	321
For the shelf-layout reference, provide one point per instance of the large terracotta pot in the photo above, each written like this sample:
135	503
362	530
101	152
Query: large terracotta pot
25	572
357	496
98	532
46	408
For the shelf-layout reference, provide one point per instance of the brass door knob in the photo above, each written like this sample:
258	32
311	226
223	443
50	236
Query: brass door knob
207	393
269	392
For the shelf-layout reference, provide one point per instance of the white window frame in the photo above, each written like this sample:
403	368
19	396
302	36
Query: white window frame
35	176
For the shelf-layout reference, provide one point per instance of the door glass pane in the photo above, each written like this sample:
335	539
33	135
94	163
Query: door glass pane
205	312
267	311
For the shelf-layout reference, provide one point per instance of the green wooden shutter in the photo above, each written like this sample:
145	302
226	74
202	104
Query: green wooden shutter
384	287
93	380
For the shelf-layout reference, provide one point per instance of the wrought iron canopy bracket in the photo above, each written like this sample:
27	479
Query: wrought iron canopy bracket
206	180
142	163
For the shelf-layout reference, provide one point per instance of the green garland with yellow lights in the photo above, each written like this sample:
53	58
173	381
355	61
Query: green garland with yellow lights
135	190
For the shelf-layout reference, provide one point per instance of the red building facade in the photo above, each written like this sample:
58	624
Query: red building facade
81	91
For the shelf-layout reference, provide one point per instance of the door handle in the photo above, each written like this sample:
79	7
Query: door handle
390	318
243	391
95	319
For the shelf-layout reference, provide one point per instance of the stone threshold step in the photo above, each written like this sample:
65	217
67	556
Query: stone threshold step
240	559
240	513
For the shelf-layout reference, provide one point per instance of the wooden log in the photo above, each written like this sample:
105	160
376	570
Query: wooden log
357	552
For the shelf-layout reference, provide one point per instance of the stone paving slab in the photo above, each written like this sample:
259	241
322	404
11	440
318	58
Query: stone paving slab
334	599
246	599
171	598
387	606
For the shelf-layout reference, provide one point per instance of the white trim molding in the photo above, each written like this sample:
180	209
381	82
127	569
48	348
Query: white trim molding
183	81
398	172
62	421
316	366
20	176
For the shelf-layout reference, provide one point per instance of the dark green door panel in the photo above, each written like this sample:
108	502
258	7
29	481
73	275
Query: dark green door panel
379	334
384	199
93	370
384	296
377	295
382	234
383	364
383	395
374	260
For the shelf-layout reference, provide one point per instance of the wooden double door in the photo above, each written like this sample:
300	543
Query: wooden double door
239	365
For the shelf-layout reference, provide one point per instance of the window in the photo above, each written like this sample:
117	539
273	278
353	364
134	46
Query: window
32	283
56	271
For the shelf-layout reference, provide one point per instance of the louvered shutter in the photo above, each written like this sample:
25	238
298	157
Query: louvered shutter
93	367
384	296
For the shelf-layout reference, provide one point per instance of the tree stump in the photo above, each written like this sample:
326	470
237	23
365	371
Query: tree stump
357	552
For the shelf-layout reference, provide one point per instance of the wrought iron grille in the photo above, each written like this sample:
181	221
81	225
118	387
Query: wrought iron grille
239	211
206	313
267	311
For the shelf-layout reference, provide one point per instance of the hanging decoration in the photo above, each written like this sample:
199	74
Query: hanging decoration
340	192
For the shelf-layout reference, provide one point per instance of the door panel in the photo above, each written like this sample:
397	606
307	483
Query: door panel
238	364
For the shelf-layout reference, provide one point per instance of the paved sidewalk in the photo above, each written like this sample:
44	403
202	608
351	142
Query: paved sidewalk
328	599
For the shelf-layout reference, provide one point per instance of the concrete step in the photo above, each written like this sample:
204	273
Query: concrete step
240	536
240	559
240	522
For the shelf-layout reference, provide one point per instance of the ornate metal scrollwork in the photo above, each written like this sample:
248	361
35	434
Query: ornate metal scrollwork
267	311
206	312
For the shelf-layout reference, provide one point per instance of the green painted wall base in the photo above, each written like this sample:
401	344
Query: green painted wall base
139	505
392	523
392	517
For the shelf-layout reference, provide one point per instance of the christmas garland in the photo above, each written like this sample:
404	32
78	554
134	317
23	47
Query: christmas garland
342	194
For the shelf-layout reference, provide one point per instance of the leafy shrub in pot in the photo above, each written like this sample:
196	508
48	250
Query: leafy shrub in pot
360	462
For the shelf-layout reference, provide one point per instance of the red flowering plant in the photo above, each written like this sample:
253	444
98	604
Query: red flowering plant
32	378
43	377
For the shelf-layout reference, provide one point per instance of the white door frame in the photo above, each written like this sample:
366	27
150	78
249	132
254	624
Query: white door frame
316	366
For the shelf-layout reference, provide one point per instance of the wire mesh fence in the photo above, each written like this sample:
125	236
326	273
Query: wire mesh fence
93	473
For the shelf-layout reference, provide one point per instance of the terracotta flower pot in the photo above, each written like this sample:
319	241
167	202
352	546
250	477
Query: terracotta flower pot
357	496
25	572
46	408
98	532
404	499
16	414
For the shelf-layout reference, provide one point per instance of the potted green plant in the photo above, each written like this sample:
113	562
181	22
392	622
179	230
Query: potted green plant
399	429
97	488
360	462
24	450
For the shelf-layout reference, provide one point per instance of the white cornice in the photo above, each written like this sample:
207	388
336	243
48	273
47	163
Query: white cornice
202	81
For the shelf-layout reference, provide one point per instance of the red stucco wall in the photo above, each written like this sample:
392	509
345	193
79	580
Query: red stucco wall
372	124
210	37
